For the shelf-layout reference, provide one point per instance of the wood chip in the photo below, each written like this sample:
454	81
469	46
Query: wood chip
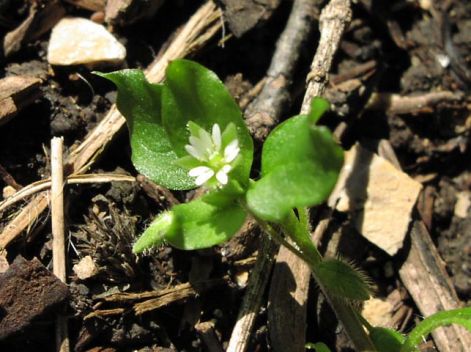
16	92
380	197
78	41
39	21
243	15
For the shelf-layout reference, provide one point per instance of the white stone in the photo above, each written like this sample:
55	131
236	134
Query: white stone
78	41
85	268
378	312
379	197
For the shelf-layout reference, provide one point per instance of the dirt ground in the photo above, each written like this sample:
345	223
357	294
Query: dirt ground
412	50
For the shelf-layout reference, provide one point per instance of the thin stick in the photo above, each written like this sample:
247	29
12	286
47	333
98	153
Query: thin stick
58	238
42	185
334	19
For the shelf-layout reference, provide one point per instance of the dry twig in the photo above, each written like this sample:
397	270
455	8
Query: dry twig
58	238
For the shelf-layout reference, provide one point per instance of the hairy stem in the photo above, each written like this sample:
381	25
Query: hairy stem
345	312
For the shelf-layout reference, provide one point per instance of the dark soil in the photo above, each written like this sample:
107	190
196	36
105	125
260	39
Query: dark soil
433	146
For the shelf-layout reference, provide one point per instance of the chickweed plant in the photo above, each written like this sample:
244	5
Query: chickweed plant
188	132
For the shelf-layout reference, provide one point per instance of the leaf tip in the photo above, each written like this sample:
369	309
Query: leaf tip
155	234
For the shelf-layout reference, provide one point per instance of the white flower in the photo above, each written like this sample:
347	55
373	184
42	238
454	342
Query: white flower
215	156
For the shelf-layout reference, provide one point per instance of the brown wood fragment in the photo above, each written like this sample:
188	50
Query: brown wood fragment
16	92
424	275
92	5
125	12
27	291
398	104
265	111
287	302
243	15
334	19
209	337
40	20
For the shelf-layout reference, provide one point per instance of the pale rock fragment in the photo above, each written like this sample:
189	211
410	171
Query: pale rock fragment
78	41
85	268
463	202
3	261
379	197
8	191
378	312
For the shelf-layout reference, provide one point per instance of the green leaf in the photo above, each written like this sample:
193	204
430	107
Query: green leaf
152	153
386	340
203	225
300	166
318	347
194	93
343	280
460	316
194	225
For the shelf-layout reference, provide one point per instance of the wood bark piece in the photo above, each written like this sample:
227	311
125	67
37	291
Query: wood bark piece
92	5
274	99
27	291
201	27
125	12
16	92
424	275
243	15
333	20
40	20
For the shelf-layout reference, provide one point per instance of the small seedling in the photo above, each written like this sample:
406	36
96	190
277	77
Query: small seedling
189	133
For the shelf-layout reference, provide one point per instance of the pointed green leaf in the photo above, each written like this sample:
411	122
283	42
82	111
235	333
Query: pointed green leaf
193	225
155	234
152	153
300	166
343	280
387	340
194	93
460	316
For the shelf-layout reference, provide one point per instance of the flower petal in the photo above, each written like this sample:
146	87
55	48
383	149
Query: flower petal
200	146
199	170
216	134
195	152
221	176
206	141
231	151
202	174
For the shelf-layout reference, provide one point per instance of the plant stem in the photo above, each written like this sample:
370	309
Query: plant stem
345	312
